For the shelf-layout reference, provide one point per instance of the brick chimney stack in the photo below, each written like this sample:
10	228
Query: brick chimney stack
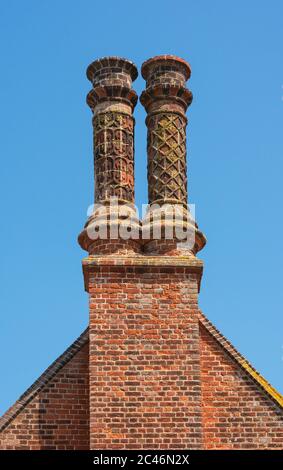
166	100
144	365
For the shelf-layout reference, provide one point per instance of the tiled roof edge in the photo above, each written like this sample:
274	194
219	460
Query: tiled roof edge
47	375
241	360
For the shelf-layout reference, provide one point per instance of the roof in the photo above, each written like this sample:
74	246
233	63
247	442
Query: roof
83	339
47	375
241	361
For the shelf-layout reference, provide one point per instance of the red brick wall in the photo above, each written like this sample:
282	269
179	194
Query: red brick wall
57	417
144	358
236	413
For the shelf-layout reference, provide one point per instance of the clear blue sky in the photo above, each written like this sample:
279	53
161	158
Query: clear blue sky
235	153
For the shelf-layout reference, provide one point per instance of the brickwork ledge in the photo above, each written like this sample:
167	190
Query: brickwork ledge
142	260
190	263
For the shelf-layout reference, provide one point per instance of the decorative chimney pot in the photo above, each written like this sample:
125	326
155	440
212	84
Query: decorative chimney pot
166	100
112	101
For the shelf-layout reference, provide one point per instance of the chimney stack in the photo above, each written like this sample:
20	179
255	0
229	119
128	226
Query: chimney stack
144	364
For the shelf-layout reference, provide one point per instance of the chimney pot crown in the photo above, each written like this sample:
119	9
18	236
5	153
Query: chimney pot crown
166	66
109	68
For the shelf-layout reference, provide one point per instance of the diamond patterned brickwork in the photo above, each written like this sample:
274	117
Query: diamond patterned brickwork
166	149
166	99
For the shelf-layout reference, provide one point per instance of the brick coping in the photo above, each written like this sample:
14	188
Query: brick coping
142	260
191	263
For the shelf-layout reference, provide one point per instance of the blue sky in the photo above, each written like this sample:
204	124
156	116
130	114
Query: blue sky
235	155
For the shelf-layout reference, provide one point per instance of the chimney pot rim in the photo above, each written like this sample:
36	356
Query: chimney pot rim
109	62
165	58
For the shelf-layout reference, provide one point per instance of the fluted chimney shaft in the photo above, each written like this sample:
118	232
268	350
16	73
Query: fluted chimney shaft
112	101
